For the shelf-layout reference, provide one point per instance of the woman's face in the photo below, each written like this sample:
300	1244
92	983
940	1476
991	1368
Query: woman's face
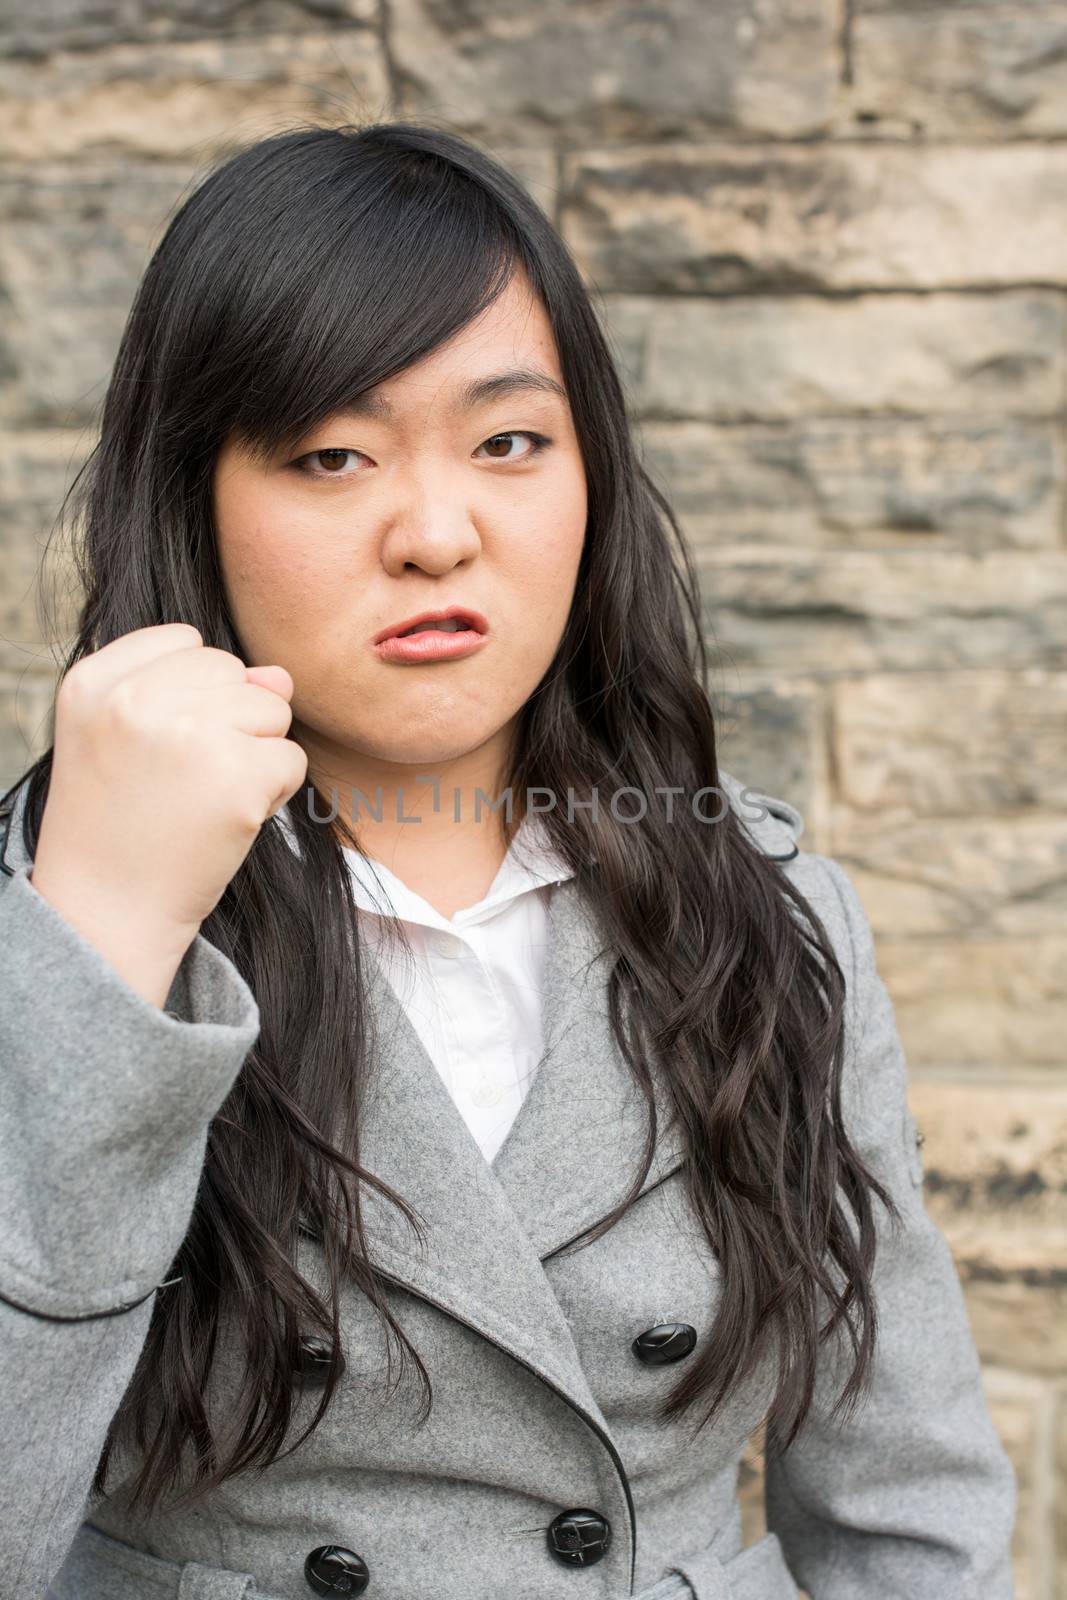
376	518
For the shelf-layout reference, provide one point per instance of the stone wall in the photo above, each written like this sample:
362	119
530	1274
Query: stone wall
830	246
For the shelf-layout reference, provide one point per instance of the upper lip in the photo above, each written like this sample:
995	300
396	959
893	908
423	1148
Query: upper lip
438	614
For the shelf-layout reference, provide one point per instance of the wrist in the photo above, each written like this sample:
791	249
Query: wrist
145	947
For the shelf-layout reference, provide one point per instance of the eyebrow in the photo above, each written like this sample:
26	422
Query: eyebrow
515	380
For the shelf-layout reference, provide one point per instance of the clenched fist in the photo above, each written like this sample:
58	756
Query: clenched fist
168	757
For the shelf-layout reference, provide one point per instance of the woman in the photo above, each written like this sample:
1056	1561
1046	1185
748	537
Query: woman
333	1263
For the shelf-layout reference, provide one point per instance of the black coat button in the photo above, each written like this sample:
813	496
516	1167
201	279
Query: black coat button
670	1341
314	1360
331	1569
579	1538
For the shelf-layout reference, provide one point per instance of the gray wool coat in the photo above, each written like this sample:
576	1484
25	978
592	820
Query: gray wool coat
542	1473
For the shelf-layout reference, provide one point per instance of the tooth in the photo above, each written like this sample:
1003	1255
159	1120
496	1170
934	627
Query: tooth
452	625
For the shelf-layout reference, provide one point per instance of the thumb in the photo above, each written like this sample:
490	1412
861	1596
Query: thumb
272	677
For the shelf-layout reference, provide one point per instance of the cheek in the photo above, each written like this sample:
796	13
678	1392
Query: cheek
544	554
272	583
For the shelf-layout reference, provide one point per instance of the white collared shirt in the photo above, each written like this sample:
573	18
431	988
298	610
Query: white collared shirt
473	986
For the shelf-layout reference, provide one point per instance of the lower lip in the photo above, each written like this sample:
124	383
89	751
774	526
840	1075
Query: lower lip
430	645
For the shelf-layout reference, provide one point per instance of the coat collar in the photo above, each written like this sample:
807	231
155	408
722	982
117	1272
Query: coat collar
569	1156
571	1153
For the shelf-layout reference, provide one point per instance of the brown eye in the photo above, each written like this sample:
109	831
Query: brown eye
325	463
538	442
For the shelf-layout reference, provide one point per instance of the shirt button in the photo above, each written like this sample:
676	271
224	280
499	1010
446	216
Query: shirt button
446	944
486	1094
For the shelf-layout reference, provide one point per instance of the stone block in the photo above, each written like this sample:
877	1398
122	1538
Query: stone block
191	101
71	252
984	71
977	1002
951	742
717	218
73	245
849	611
995	1169
863	482
1018	1405
785	357
771	741
39	595
1019	1317
616	69
33	33
1001	878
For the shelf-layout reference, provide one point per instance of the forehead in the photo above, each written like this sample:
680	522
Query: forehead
508	350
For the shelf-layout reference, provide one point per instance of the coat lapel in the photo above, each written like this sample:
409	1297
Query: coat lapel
569	1157
576	1144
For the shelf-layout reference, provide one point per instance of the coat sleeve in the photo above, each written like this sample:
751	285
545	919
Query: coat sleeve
105	1101
915	1496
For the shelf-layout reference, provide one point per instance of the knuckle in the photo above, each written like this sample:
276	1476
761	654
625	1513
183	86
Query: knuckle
74	688
224	658
123	703
185	727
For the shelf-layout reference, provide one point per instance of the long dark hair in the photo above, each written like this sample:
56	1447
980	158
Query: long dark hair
302	271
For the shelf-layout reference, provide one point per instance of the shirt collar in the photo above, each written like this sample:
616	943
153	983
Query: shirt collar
530	863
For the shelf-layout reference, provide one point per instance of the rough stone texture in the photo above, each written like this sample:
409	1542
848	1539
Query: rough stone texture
188	101
1019	1407
72	247
1020	1311
772	740
987	1001
829	248
995	1173
813	482
966	877
786	357
50	26
951	743
855	610
999	72
617	69
722	218
1057	1491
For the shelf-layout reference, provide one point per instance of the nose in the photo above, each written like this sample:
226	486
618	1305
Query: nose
433	530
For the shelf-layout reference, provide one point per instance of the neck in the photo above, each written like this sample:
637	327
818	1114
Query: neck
431	823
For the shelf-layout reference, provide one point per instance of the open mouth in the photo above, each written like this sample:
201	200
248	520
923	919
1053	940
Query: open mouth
439	628
445	625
